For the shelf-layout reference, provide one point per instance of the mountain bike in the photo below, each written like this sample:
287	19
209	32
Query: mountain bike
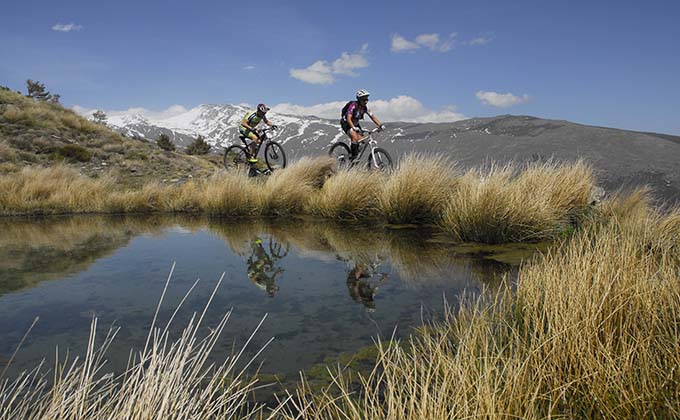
378	158
236	156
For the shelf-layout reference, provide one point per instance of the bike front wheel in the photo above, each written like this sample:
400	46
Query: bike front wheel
382	162
274	156
340	153
236	158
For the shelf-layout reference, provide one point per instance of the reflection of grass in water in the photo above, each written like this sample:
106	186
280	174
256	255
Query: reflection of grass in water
35	250
412	252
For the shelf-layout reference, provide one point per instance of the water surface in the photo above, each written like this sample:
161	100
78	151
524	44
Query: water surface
326	288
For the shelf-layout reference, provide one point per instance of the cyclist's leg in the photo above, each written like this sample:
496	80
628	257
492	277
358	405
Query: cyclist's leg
354	144
252	147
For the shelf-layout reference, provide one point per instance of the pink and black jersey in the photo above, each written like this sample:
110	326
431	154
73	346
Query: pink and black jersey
356	111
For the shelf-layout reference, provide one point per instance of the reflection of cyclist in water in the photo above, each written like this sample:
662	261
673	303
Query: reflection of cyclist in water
359	286
261	265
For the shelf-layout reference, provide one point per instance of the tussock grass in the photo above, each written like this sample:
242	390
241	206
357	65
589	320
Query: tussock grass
500	204
506	204
287	191
351	194
591	332
417	190
54	190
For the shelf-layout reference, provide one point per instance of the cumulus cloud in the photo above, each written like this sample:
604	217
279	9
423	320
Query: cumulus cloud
249	67
501	100
434	42
68	27
322	72
401	44
400	108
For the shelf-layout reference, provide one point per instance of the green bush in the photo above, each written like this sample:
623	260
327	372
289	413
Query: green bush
198	147
164	143
74	152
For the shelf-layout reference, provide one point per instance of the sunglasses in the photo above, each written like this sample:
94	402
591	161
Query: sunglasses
363	99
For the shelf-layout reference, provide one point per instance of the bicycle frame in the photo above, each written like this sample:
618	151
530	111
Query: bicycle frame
368	141
262	134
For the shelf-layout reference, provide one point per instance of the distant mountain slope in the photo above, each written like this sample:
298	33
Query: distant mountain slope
621	158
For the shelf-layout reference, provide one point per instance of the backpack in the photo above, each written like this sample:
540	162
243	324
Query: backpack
344	110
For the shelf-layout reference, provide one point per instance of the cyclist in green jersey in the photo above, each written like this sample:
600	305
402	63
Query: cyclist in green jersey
248	124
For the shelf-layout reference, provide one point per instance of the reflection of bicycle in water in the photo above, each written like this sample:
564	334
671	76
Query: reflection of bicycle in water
262	269
359	284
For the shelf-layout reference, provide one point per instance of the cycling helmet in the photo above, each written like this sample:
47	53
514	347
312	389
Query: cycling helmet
362	93
262	108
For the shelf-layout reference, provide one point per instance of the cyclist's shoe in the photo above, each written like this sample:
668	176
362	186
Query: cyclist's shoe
252	160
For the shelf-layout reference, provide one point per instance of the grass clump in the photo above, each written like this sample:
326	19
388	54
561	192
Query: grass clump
351	194
417	190
504	204
287	191
75	153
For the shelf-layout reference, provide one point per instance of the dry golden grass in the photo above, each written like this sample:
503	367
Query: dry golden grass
287	191
501	204
507	205
417	190
591	332
52	190
351	194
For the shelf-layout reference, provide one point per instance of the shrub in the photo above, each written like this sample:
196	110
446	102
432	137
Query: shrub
75	153
164	143
198	147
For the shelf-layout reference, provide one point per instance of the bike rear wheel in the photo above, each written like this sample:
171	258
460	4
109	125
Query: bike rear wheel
235	158
274	156
340	153
383	160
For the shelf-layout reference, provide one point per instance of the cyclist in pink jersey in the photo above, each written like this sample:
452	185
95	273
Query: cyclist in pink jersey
352	113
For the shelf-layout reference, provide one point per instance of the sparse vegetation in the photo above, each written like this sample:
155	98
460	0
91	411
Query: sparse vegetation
99	117
37	91
198	147
164	143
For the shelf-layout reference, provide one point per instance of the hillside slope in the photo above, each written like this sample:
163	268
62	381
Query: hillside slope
45	134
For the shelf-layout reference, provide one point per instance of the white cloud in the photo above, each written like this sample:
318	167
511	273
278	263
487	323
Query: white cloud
480	40
348	62
322	73
68	27
501	100
249	67
318	73
431	41
112	115
401	44
400	108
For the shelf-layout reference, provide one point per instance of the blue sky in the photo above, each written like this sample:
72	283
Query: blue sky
613	63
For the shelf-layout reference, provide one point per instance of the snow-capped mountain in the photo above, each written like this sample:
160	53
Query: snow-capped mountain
218	124
620	157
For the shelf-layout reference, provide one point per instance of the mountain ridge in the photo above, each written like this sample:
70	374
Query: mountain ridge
621	158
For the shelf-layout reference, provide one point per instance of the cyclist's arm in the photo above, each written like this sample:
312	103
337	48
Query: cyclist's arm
374	118
266	121
244	123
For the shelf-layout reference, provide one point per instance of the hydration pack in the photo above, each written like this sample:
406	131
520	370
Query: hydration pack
344	109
